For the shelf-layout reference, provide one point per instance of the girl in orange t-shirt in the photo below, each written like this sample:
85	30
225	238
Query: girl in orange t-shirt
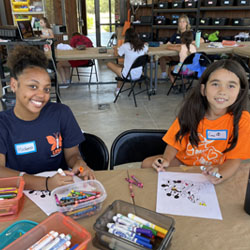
212	125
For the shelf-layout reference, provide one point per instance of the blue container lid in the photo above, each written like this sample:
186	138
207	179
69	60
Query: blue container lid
15	231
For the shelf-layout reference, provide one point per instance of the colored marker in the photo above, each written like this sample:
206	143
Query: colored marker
216	174
74	247
64	246
128	233
147	223
81	169
125	236
61	242
44	241
60	171
54	242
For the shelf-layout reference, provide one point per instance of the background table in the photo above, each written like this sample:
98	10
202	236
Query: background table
233	232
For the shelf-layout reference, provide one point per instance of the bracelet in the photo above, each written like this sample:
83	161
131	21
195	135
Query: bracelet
46	183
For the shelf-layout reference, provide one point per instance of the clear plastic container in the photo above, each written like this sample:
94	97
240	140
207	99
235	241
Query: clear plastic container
109	241
10	208
59	223
82	209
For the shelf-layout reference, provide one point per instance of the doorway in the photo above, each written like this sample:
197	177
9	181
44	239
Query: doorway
100	21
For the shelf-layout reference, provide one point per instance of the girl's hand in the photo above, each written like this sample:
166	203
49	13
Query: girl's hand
86	172
58	180
209	173
160	164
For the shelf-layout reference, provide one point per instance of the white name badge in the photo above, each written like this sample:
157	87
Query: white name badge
216	134
25	148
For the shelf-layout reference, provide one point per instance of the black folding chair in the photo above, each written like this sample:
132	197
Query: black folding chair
94	152
135	145
141	61
203	61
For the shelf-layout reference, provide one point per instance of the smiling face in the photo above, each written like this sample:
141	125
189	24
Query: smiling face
32	89
221	91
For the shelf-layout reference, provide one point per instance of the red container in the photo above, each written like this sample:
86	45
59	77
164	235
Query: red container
59	223
10	208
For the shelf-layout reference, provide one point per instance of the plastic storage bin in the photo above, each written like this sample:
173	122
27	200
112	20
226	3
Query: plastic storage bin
242	2
226	2
15	231
108	240
83	209
10	208
59	223
210	2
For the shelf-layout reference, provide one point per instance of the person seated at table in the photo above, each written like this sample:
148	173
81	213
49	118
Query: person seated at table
132	48
185	49
38	135
46	30
63	67
212	125
183	25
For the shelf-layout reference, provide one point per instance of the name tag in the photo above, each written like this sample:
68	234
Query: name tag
216	134
25	148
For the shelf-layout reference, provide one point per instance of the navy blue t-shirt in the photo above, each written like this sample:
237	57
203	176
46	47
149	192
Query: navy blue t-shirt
176	38
37	146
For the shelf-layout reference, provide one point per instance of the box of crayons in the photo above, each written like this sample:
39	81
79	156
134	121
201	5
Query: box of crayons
125	226
11	193
80	199
55	232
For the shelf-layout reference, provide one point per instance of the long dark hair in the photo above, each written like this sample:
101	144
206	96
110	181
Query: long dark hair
187	39
196	105
46	21
132	37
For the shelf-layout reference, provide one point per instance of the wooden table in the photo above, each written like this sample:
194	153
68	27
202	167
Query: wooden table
233	232
242	51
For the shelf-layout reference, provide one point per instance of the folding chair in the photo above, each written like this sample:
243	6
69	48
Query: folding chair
93	70
135	145
199	66
94	152
141	61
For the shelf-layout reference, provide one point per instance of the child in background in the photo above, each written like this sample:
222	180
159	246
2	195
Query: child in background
212	124
46	29
185	49
132	48
38	135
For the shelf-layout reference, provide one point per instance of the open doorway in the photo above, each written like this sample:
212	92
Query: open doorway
100	20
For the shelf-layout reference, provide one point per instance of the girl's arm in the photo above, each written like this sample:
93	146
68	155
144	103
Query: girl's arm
226	170
35	182
176	47
74	160
51	34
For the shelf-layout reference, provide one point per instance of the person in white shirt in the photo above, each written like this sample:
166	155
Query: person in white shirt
132	48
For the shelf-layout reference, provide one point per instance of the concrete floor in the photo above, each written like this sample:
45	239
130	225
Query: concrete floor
108	123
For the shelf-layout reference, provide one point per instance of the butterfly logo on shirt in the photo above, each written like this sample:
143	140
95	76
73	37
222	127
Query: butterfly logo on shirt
56	143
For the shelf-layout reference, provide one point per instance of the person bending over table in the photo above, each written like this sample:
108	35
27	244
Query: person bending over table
38	135
63	67
183	25
212	125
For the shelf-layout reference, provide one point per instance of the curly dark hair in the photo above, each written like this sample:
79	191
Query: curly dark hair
23	56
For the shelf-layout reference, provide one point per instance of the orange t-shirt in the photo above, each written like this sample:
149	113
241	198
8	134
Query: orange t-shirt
214	137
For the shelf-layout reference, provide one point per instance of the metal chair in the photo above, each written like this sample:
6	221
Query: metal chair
135	145
93	70
94	152
140	61
204	61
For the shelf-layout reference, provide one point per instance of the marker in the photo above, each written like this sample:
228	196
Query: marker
54	242
64	246
128	233
216	174
44	241
61	242
125	236
137	230
60	171
74	247
81	169
147	223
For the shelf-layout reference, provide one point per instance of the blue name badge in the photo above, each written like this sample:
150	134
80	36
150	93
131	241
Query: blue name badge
25	148
216	134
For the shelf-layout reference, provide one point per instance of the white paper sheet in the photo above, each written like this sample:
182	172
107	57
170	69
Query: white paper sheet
187	194
43	199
